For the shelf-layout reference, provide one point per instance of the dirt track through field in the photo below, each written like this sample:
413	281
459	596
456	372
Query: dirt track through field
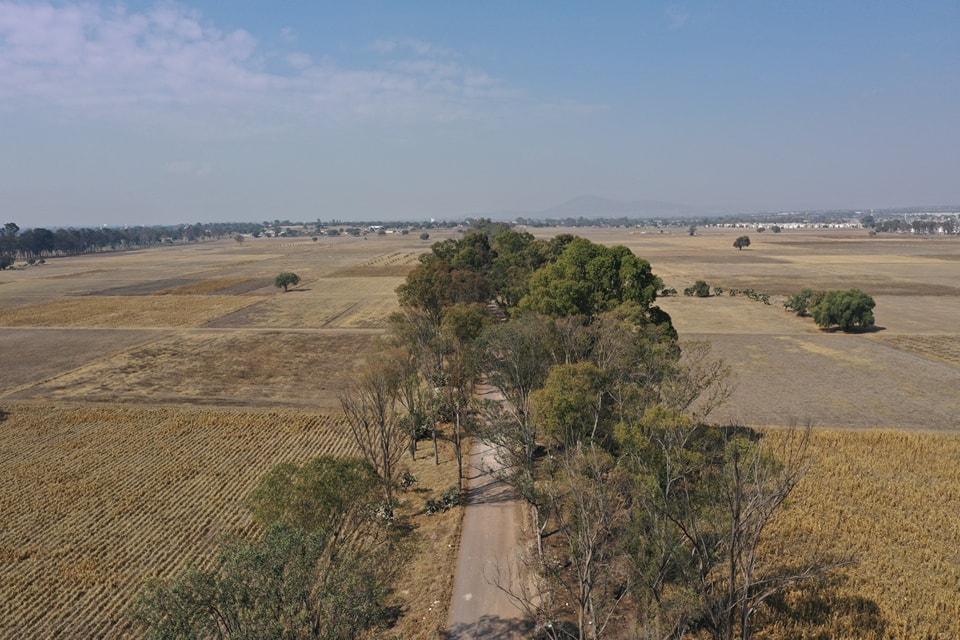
489	547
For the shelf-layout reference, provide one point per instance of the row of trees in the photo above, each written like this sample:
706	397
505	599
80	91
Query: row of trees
37	243
645	516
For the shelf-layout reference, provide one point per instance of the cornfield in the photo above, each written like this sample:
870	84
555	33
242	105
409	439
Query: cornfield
95	499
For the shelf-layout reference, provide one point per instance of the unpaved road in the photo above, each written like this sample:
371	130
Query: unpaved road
488	553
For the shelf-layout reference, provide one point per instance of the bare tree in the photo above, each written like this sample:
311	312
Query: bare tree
370	406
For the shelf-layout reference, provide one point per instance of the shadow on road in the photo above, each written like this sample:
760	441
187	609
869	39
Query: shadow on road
490	627
490	492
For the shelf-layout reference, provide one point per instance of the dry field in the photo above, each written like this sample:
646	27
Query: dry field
143	394
146	392
890	500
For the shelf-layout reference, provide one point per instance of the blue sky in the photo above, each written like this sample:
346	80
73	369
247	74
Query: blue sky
154	113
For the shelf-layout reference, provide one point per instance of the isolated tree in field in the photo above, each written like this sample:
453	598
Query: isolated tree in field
370	406
286	280
847	310
238	238
741	242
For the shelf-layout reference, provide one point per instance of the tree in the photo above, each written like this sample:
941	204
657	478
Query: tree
461	326
238	238
370	406
424	236
803	302
592	494
322	568
588	279
570	407
848	310
692	231
741	242
286	280
336	495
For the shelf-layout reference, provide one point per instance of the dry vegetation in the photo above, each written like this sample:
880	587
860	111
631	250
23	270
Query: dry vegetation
120	312
236	368
890	500
94	497
97	496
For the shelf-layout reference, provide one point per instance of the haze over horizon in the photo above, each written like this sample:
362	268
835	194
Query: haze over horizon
173	112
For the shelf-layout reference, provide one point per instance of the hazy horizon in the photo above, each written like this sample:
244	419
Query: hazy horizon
169	113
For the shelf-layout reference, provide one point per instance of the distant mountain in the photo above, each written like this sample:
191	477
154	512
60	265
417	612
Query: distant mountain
588	206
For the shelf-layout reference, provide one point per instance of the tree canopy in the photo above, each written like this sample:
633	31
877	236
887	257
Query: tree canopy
741	242
286	280
846	309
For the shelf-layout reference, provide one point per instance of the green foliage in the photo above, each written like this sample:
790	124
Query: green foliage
322	568
286	280
287	585
424	236
588	279
570	408
448	500
700	289
5	261
803	302
741	242
326	493
435	284
847	310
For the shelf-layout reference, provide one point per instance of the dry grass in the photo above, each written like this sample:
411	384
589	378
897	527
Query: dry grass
237	369
122	311
942	348
890	500
214	285
95	499
331	302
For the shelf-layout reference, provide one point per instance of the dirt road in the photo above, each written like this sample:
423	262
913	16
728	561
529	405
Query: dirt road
488	554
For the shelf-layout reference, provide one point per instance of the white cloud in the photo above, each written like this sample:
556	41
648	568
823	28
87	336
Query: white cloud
168	66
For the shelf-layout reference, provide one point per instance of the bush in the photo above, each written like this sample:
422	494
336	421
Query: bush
449	500
424	236
802	302
699	289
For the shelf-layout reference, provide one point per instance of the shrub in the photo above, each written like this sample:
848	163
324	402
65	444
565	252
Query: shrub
699	289
449	499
